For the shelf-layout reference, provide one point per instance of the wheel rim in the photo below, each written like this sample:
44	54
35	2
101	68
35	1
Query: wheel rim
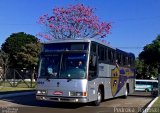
99	97
126	93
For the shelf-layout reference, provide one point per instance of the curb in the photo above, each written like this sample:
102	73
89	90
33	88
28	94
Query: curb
150	105
16	94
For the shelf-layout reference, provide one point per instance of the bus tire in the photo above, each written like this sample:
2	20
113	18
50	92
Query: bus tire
126	93
99	98
146	90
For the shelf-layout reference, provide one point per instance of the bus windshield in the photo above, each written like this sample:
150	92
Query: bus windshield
50	65
72	66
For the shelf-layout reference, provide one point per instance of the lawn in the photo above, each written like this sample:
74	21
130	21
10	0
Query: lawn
155	107
18	86
8	89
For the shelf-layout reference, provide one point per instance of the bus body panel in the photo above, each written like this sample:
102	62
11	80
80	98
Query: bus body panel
56	88
125	76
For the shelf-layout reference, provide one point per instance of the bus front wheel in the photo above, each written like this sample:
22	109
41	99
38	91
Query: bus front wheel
99	98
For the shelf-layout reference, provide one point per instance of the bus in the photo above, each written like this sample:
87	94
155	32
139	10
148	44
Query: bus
145	85
105	72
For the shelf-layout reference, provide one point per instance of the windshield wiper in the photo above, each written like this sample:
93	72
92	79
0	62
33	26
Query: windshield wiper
48	78
69	78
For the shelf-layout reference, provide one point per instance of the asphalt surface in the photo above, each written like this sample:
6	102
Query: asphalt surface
28	104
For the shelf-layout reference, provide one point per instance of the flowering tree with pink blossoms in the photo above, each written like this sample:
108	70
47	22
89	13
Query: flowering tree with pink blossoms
74	22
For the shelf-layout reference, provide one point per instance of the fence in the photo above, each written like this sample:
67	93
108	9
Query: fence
22	78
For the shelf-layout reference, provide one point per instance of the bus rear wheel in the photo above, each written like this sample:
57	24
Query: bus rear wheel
146	90
126	94
99	98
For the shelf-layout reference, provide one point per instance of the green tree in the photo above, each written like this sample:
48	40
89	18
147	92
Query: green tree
145	71
151	56
29	55
23	50
151	52
4	63
139	68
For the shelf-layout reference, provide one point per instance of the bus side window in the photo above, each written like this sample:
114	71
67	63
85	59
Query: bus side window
92	67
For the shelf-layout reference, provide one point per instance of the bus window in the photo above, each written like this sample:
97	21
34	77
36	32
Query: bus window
119	58
155	84
92	67
101	53
143	83
149	83
137	82
73	66
106	54
77	47
113	56
132	62
93	47
109	55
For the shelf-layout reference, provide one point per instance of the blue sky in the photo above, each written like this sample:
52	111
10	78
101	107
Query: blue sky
135	23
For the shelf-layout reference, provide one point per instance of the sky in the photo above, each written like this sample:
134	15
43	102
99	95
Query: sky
135	23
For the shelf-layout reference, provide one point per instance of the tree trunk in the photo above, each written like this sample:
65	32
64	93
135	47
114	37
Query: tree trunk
32	76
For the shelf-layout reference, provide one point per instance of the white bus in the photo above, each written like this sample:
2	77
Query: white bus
145	85
84	70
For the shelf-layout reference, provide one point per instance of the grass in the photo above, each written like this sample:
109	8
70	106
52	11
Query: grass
17	86
8	89
155	107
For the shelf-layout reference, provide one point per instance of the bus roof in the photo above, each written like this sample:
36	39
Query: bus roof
127	53
79	40
89	40
145	80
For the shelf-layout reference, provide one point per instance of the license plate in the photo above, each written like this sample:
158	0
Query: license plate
58	93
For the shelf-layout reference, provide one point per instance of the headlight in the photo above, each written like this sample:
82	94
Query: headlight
41	92
79	94
72	93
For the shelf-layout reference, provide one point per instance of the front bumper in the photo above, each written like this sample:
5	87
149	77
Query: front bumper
62	99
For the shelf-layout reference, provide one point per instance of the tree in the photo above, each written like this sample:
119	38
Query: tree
4	63
139	68
29	55
151	52
75	21
151	56
22	49
145	71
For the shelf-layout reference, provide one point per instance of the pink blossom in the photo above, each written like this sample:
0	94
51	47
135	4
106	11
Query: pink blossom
76	21
51	25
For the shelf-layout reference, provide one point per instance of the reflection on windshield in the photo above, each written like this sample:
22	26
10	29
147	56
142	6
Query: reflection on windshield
73	66
49	66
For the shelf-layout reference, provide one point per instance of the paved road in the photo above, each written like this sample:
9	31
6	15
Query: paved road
28	104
